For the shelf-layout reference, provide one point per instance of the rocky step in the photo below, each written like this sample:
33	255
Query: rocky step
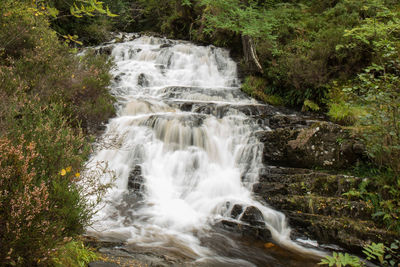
223	108
334	207
352	234
260	233
323	144
246	221
316	206
290	120
186	92
287	181
267	115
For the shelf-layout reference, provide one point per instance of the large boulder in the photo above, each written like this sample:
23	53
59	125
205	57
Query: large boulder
249	222
323	144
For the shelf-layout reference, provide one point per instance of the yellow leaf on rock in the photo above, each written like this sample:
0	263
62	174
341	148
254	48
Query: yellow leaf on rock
268	245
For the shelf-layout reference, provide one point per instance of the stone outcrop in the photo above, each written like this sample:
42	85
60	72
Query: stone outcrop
315	201
135	180
321	144
315	205
248	222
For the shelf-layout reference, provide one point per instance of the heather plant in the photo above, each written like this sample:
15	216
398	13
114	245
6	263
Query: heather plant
25	205
43	196
50	99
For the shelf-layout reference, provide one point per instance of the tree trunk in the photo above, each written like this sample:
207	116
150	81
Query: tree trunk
250	54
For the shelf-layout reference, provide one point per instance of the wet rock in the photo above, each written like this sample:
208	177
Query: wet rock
166	45
248	231
133	52
135	180
105	50
349	233
316	207
253	216
254	111
102	264
288	121
118	78
142	80
236	211
251	223
323	144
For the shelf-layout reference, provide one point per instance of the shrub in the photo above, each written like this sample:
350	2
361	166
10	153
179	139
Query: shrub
47	94
257	87
72	254
345	113
27	229
42	197
36	63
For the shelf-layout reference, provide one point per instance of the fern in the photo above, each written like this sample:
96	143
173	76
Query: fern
341	260
375	252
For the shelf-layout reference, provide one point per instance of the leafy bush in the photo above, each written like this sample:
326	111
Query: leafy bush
24	216
257	87
36	63
339	260
372	251
73	254
47	95
41	202
345	113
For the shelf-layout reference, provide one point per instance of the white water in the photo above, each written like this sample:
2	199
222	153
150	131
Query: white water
195	166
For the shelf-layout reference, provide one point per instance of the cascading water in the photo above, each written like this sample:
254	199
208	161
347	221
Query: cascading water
180	138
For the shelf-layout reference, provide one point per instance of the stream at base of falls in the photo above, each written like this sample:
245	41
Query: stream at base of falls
185	158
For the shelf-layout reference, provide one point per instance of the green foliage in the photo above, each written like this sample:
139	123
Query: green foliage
88	19
340	259
310	105
371	101
37	64
345	113
375	252
73	254
46	145
392	258
245	18
174	18
379	194
45	90
257	87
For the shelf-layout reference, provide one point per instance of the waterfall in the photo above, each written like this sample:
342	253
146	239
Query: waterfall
182	152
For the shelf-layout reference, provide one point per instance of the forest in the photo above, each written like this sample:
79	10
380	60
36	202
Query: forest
339	59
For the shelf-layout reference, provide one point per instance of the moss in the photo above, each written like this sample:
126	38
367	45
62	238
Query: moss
256	87
345	113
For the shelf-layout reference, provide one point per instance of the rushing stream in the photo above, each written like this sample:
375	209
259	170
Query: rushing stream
183	155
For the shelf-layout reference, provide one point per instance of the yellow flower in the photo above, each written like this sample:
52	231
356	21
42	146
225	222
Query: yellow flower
69	168
63	172
77	174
